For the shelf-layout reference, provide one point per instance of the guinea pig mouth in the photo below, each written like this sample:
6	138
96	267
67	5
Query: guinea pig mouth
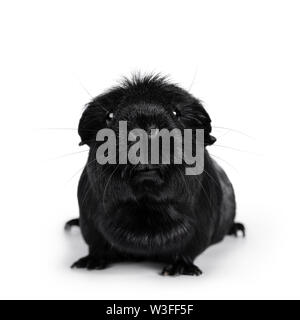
147	171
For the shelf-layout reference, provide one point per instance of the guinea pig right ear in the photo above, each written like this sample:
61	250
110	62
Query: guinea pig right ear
94	115
88	126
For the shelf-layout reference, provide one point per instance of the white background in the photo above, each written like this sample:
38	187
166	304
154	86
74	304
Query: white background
242	58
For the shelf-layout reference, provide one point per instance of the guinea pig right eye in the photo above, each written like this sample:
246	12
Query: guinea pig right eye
109	117
176	113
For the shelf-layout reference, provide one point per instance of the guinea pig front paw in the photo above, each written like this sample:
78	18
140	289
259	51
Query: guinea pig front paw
90	263
181	268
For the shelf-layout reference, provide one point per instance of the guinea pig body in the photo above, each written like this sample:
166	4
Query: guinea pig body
151	212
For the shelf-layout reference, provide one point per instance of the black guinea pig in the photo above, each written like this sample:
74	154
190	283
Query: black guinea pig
150	212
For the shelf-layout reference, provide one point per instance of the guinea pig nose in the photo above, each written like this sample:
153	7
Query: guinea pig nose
152	132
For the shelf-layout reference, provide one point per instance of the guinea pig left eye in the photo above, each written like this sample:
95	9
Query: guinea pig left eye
176	113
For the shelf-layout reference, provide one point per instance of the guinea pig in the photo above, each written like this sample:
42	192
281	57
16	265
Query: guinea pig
153	212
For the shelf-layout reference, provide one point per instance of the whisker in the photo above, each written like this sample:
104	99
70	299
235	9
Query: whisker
236	131
239	150
208	199
224	161
67	129
182	178
57	129
194	79
108	181
224	134
87	186
69	154
212	178
86	90
80	170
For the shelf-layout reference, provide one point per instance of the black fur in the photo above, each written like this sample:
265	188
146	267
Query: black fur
166	216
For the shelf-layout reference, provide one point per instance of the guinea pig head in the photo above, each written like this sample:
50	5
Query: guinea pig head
146	106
